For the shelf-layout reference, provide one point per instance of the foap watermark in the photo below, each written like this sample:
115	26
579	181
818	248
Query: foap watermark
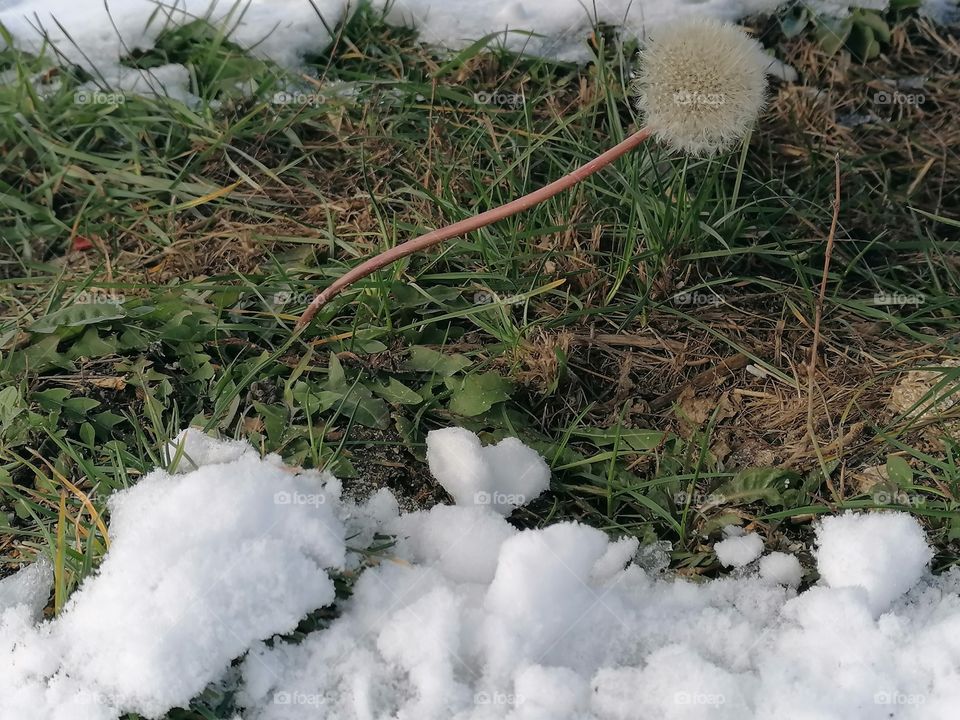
696	298
893	697
298	498
483	497
698	498
283	298
898	497
299	698
484	297
296	97
99	297
502	99
898	299
98	97
698	698
885	97
687	98
497	698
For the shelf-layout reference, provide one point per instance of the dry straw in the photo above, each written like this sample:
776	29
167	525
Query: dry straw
700	88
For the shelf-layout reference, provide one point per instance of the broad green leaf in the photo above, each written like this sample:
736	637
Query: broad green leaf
336	379
396	392
832	34
78	407
872	20
52	398
37	357
424	359
77	315
106	420
477	393
753	484
91	345
88	435
366	410
10	405
899	471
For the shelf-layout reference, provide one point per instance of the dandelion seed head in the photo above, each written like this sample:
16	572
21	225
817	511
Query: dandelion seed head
701	84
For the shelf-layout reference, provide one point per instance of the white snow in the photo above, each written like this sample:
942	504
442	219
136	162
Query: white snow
782	568
739	550
467	617
885	555
96	35
200	566
28	588
191	449
503	476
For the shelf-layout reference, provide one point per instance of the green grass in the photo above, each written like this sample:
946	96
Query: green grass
206	230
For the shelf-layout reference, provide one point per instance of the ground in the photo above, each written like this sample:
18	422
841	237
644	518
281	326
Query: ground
649	332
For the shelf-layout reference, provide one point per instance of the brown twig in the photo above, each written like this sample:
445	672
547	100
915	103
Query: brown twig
470	224
817	316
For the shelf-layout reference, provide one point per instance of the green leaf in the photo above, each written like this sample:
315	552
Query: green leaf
832	34
91	345
477	393
106	421
875	22
424	359
274	420
10	406
77	315
37	357
51	399
314	401
88	435
862	43
366	410
336	378
753	484
954	532
899	471
398	393
78	407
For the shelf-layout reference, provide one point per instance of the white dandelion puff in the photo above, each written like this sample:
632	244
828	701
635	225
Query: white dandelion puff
701	84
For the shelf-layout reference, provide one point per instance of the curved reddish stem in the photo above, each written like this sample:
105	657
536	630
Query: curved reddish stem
470	224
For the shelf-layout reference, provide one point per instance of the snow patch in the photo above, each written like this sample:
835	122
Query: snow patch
502	476
466	616
97	35
781	568
885	554
739	550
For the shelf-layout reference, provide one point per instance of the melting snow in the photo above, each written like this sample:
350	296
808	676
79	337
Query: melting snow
466	617
95	35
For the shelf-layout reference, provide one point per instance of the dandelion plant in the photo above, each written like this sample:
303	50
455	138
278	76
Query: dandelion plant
700	87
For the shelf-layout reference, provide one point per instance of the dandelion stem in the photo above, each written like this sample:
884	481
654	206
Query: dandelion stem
470	224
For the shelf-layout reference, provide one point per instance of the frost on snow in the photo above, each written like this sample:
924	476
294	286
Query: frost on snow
466	616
